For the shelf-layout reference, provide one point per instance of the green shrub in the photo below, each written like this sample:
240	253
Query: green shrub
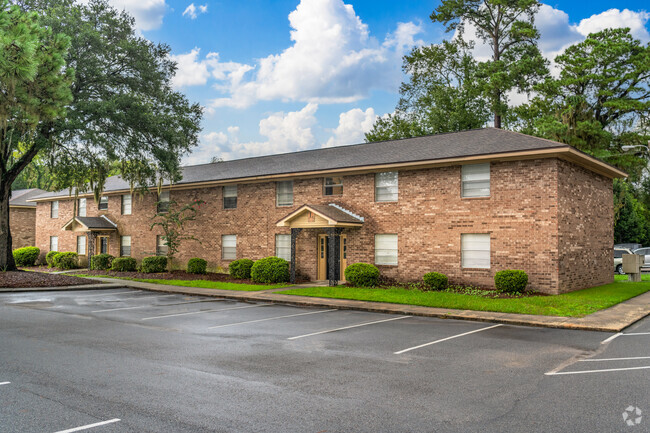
49	258
101	262
124	264
511	281
270	270
26	256
362	275
240	268
66	260
196	266
436	280
154	264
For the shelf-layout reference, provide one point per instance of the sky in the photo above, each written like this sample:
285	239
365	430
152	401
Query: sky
278	76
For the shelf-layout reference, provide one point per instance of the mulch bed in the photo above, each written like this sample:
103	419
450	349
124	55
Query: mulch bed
21	279
173	275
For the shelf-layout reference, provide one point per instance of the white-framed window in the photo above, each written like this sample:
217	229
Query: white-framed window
54	209
81	245
475	180
386	249
82	207
163	202
475	250
284	193
386	186
103	203
127	200
230	197
161	247
125	246
54	243
283	247
333	185
229	247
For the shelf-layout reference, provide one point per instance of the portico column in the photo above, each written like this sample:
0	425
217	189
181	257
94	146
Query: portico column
91	246
294	235
333	254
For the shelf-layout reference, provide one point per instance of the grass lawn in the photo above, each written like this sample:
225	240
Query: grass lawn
203	284
575	304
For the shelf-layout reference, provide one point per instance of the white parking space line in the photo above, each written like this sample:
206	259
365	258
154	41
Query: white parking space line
141	306
347	327
5	383
271	318
630	334
607	340
615	359
86	427
204	311
107	294
446	339
551	373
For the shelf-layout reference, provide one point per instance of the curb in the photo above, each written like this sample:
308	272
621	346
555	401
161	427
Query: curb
95	286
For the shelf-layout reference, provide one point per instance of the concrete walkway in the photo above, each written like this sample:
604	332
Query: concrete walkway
613	319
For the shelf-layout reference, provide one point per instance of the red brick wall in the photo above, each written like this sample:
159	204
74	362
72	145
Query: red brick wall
23	227
521	216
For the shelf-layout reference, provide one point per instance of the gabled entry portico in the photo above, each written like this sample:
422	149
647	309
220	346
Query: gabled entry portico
333	219
98	230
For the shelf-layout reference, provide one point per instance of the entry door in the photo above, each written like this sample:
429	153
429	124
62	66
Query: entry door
102	245
343	256
322	257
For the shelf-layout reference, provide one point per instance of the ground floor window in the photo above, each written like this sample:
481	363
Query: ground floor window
125	246
283	247
161	247
81	245
386	249
475	250
54	243
229	247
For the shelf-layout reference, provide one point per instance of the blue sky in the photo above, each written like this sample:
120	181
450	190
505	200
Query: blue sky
285	75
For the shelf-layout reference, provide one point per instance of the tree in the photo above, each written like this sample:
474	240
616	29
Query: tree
172	222
34	90
440	96
124	109
507	27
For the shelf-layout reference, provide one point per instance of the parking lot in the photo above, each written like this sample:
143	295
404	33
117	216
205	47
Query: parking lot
124	360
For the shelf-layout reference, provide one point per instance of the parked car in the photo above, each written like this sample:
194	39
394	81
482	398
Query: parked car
645	251
618	258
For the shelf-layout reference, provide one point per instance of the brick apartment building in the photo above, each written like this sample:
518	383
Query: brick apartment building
467	204
22	217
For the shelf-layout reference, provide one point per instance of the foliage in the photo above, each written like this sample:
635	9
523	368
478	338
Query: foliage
124	264
362	275
26	256
511	280
49	258
101	262
240	268
197	266
631	217
270	270
441	95
66	260
436	280
172	222
154	264
508	28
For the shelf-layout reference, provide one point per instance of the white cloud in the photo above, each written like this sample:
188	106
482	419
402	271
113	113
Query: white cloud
615	18
352	127
194	11
148	14
190	72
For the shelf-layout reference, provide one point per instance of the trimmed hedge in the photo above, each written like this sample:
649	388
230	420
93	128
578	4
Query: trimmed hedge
66	260
270	270
362	275
49	258
101	262
124	264
197	265
26	256
240	268
436	280
511	280
154	264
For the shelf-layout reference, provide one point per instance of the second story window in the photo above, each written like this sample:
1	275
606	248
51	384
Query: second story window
103	203
386	186
230	197
475	180
126	204
163	202
333	186
284	193
82	207
54	209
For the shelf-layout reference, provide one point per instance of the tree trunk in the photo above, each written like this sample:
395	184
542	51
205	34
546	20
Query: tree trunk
6	257
497	120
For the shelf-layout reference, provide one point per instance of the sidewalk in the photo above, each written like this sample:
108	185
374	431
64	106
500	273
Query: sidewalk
613	319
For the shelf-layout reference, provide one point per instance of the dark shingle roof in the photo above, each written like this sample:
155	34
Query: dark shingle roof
336	213
19	197
432	147
96	222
